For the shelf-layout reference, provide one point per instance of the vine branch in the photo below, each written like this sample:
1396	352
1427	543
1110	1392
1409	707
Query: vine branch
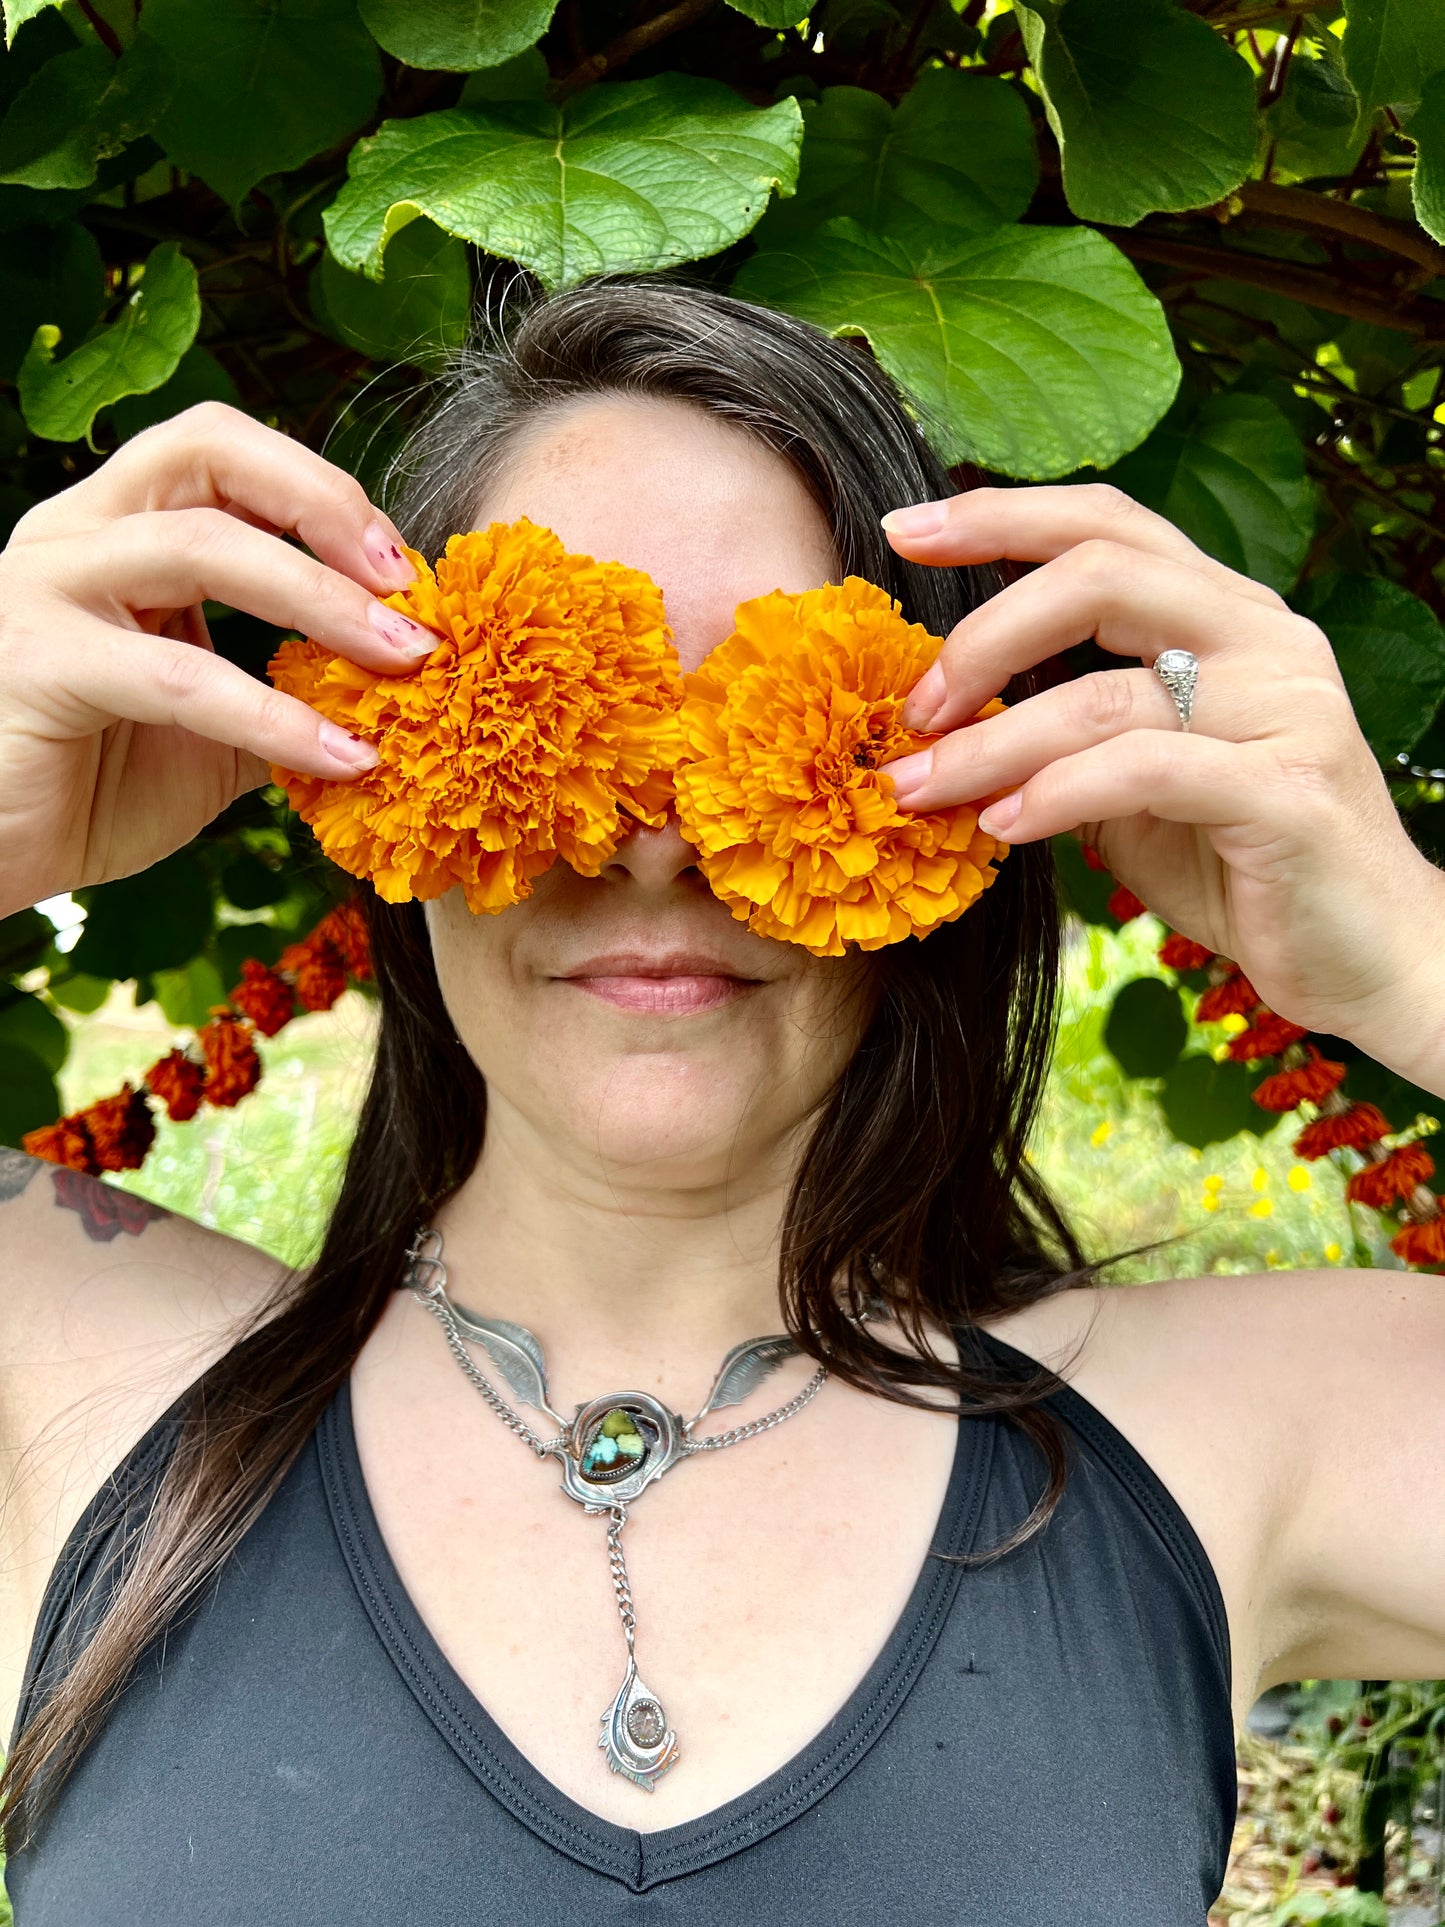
104	32
627	45
1297	207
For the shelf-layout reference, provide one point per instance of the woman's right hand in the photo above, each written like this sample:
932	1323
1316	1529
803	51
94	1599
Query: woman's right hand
122	732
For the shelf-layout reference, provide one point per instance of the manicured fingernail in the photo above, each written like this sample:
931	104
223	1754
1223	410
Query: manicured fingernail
925	518
1001	815
386	558
346	748
926	699
909	776
401	632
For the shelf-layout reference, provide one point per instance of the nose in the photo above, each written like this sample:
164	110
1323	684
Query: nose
653	858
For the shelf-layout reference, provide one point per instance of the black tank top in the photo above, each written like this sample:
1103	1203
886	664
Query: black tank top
1046	1741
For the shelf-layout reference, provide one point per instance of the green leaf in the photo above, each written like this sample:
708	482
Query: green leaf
1146	1028
1152	110
523	77
885	166
198	377
17	12
416	314
157	920
238	941
263	85
186	995
28	1025
1207	1103
79	993
51	274
457	35
1391	49
1034	351
1427	130
1391	653
81	108
28	1097
775	13
1315	127
136	353
642	174
1230	474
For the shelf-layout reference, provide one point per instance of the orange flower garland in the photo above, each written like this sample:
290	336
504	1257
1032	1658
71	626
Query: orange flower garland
546	715
786	724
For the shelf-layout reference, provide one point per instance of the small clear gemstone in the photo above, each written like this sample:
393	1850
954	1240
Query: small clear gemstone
1174	662
645	1723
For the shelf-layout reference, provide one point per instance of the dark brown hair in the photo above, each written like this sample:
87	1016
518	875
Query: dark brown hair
916	1172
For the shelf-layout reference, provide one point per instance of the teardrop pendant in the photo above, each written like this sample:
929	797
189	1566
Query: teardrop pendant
635	1734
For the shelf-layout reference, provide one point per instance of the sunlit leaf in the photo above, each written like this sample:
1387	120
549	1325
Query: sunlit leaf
1391	49
457	35
1427	130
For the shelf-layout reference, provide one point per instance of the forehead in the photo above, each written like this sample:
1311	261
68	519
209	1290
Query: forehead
710	514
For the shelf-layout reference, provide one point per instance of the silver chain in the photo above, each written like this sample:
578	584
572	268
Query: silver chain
617	1566
435	1298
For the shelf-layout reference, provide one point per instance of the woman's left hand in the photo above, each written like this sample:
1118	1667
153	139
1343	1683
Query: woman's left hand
1266	831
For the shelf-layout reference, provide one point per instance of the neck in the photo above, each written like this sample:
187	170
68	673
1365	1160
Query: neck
629	1281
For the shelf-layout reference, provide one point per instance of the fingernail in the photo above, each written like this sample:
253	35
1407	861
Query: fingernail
401	632
999	816
925	700
924	518
346	748
386	558
909	776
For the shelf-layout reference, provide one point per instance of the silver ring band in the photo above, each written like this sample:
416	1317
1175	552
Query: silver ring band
1178	670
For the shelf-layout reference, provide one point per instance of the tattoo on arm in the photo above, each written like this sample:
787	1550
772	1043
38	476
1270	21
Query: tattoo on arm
16	1171
105	1210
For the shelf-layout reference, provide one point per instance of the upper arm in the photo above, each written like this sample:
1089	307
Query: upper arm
1361	1555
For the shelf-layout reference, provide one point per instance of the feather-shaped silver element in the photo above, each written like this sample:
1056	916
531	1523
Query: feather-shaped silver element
745	1368
516	1354
635	1734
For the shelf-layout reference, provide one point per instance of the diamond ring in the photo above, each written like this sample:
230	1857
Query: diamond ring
1178	670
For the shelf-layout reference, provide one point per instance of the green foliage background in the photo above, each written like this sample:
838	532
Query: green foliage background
1191	245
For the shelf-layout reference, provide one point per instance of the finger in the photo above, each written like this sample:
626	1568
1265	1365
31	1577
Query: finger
175	557
1167	774
1002	751
1036	524
95	673
1132	604
214	456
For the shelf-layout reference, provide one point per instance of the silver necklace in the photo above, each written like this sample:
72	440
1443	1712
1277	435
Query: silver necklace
610	1451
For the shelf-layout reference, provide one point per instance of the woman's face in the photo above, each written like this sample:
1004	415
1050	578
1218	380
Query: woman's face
628	1017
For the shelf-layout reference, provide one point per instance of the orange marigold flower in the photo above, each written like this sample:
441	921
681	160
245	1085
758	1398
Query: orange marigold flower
1360	1124
318	968
786	724
1394	1176
345	927
177	1080
65	1142
1124	905
1183	953
263	997
1307	1083
1422	1244
121	1129
545	715
1233	996
1267	1036
232	1065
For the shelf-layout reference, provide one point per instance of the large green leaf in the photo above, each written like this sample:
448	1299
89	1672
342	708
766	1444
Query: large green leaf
28	1097
134	354
1147	1028
262	85
51	274
1208	1103
1150	107
1034	351
1231	474
957	149
457	35
1391	653
419	311
157	920
642	174
1392	47
1427	130
198	377
81	108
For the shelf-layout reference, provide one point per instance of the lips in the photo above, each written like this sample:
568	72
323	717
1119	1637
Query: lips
671	984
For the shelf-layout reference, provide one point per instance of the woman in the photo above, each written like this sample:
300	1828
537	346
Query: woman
329	1646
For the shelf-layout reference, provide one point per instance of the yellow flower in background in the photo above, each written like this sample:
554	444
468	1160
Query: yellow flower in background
1333	1254
1299	1177
786	724
1261	1208
1100	1133
545	717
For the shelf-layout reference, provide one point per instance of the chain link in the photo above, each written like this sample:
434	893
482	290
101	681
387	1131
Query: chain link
617	1566
715	1440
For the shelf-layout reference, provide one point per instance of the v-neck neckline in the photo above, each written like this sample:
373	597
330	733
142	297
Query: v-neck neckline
643	1860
